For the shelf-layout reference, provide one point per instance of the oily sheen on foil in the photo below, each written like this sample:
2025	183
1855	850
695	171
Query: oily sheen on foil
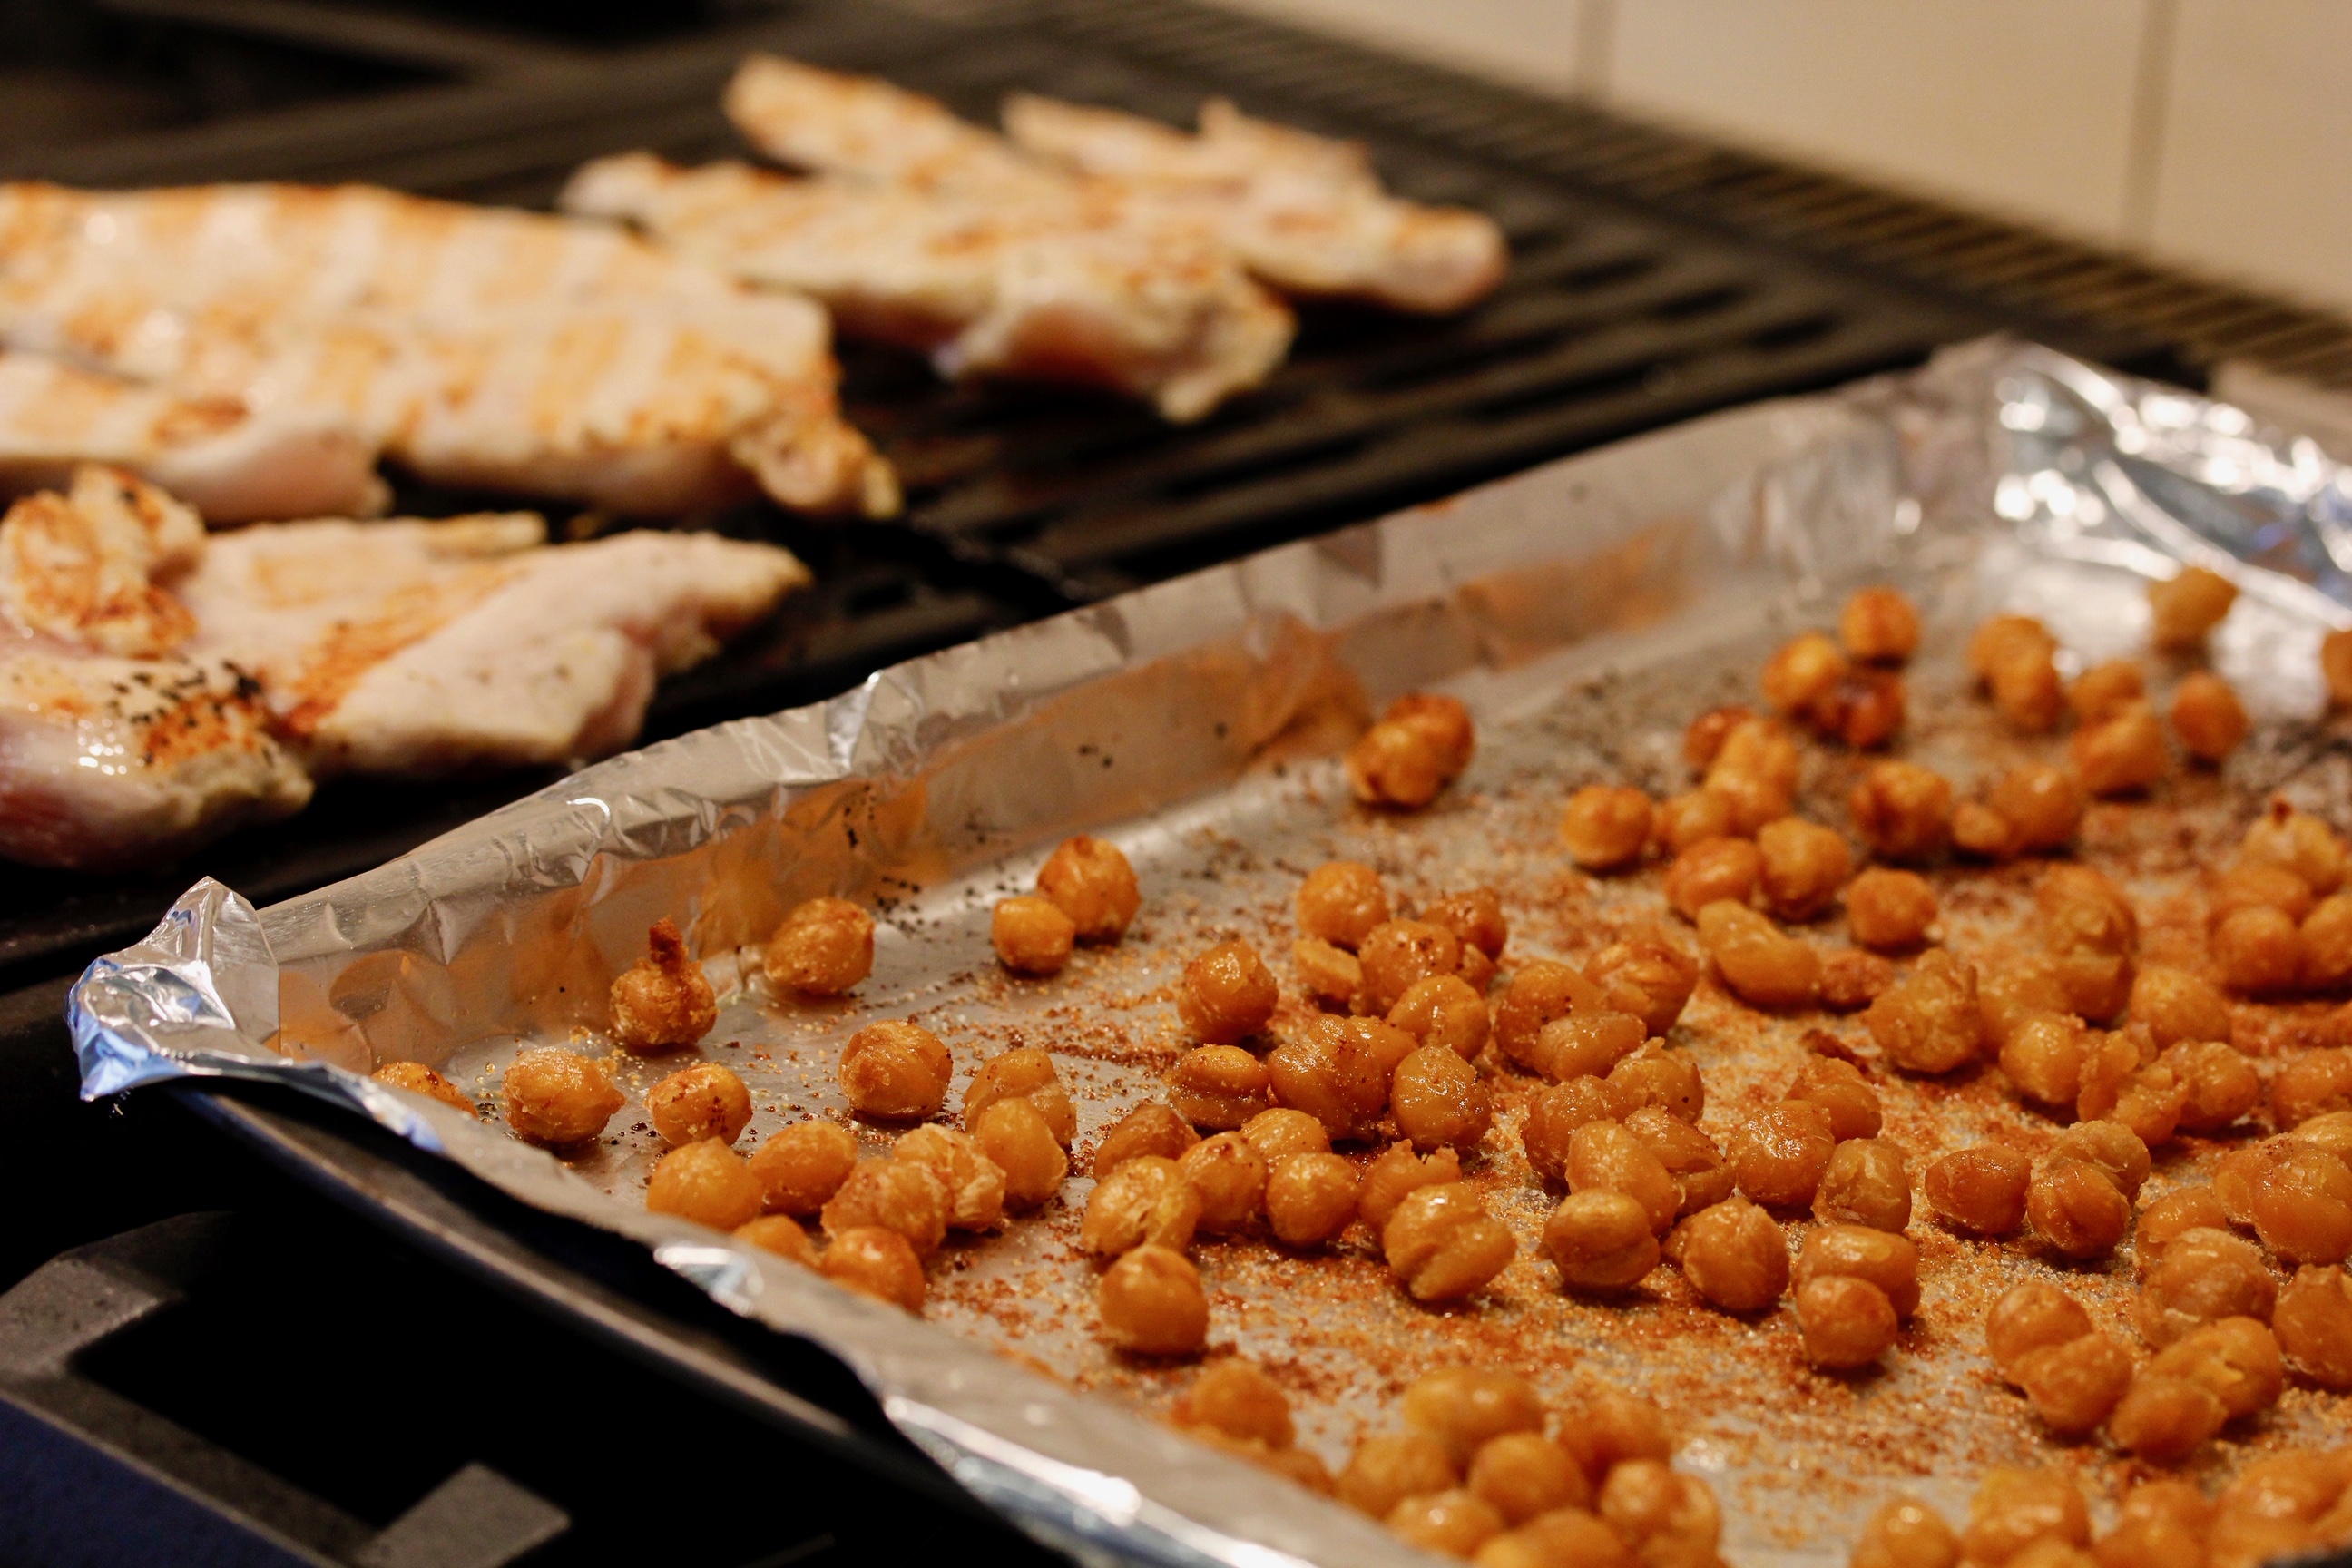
1584	610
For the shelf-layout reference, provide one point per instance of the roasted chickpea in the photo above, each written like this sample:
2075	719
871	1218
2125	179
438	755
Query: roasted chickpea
1907	1534
824	948
2028	693
1219	1087
1801	867
2171	1217
1452	1524
1310	1197
1891	910
877	1263
1600	1240
1152	1303
2331	1129
2188	605
662	1002
2164	1417
2043	1055
1339	1071
1276	1134
2258	885
2202	1276
896	1070
781	1234
1879	625
1807	669
555	1098
2001	639
2298	842
1864	709
1091	880
1605	828
2326	941
1903	811
1228	993
2074	1386
2317	1084
2234	1358
1867	1184
1237	1398
1646	973
1839	1088
2013	1509
1340	901
1669	1520
1152	1128
1398	1173
1443	1244
2120	754
975	1182
1690	817
1031	935
2043	804
1753	799
1761	964
1928	1022
1230	1176
1438	1101
1145	1200
805	1164
1602	1156
1463	1408
2028	1318
1981	1190
1853	979
1394	765
1445	1011
1539	993
1015	1135
1584	1045
1978	830
1029	1073
1845	1322
2149	1103
1554	1116
1564	1537
1778	1155
1885	1259
2162	1524
2177	1006
2208	716
1332	975
1734	1255
905	1196
1703	739
2220	1085
707	1183
1761	749
1523	1474
1442	721
1703	1177
418	1079
705	1101
2105	689
2112	1147
1710	869
2301	1202
2313	1324
1385	1471
2089	933
1655	1076
2260	952
2076	1207
1397	955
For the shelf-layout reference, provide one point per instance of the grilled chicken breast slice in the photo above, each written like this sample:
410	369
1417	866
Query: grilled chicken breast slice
1046	290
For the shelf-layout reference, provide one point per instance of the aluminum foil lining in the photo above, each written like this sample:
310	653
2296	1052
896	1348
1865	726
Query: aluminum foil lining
2061	486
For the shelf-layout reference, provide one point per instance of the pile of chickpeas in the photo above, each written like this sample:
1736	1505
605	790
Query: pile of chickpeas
1395	1057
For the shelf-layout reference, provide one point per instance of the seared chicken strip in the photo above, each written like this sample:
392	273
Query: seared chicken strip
475	346
1044	290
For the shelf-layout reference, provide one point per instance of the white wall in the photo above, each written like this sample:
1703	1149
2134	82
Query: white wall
2212	132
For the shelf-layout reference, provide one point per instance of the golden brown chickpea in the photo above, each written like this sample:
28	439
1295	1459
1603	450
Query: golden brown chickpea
2001	638
1231	1179
1442	721
2043	804
1443	1244
2043	1055
2112	1147
975	1182
1539	993
1564	1537
1310	1197
1601	1241
1703	1177
1703	739
1762	965
2028	693
662	1002
1475	918
2077	1208
2149	1101
2105	689
1340	901
1029	1073
2170	1217
1867	1184
2318	1083
1228	993
1839	1088
1605	828
1734	1255
556	1100
1881	1257
2121	754
2074	1386
1690	817
824	948
1655	1076
1670	1521
877	1263
1398	1173
1907	1534
1801	867
1864	709
1928	1022
705	1101
2163	1417
1879	625
1031	935
2208	716
2234	1358
1807	669
1146	1199
2326	942
1152	1128
1710	869
1445	1011
801	1167
2028	1318
1452	1523
2013	991
2313	1324
1394	765
1438	1101
1779	1154
1015	1135
1903	811
1463	1408
1237	1398
1602	1156
2188	606
1845	1322
1978	830
781	1234
707	1183
2301	1202
2300	843
1853	979
2202	1276
2014	1508
2331	1129
909	1196
1276	1134
1396	956
898	1070
2258	885
1583	1045
2220	1085
1339	1071
1981	1190
1152	1303
1753	799
1219	1087
1091	880
1646	973
1891	910
1523	1474
2159	1524
1554	1116
2177	1006
418	1079
1332	975
1385	1471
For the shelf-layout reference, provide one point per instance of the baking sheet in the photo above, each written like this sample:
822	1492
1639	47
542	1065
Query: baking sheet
1586	611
